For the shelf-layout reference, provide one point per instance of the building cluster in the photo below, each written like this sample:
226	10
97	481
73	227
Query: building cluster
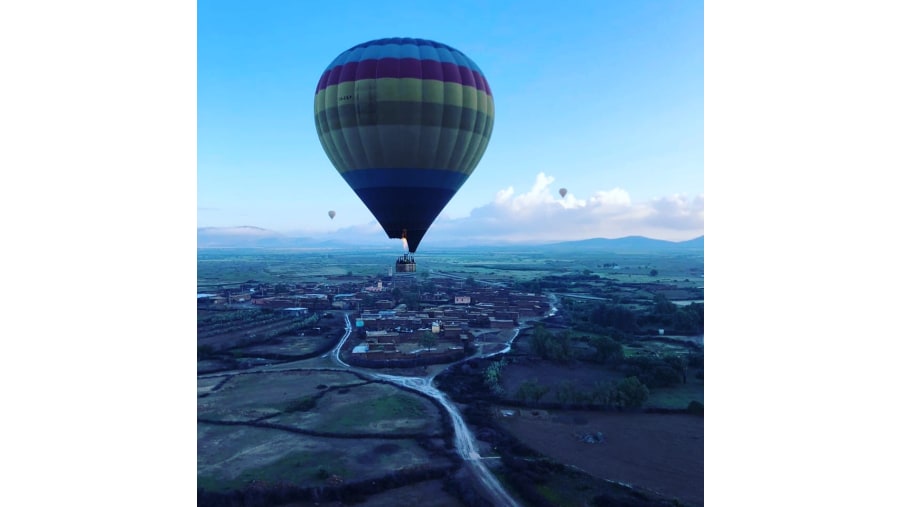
451	309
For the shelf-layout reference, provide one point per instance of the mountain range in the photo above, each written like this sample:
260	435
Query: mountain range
256	237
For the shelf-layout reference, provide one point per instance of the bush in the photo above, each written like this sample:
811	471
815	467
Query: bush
531	391
304	404
492	377
205	352
555	347
695	408
632	393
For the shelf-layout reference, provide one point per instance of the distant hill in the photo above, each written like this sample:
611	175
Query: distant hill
246	237
256	237
629	244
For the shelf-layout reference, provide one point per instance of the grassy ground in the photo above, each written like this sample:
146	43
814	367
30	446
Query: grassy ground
662	453
676	397
658	452
233	267
243	452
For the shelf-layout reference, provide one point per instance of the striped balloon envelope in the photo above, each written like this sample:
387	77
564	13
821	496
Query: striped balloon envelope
404	121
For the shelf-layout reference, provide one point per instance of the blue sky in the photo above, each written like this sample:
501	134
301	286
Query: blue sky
602	98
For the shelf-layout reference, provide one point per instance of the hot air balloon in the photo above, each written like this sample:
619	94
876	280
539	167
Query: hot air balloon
332	214
404	121
563	192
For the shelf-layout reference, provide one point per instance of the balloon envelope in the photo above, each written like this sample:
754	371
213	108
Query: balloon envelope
563	192
404	121
331	214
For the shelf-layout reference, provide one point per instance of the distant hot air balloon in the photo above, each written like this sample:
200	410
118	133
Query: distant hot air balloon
332	214
563	192
405	122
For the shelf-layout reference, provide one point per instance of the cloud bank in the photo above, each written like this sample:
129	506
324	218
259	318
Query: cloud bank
541	215
538	215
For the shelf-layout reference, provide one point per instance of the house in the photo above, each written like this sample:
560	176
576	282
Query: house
501	323
345	301
313	301
295	311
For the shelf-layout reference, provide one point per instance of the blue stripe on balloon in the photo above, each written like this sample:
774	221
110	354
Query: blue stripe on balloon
402	177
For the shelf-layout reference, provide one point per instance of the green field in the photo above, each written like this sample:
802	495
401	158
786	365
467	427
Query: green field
314	426
216	267
303	427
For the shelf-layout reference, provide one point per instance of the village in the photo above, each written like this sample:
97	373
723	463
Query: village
316	363
400	317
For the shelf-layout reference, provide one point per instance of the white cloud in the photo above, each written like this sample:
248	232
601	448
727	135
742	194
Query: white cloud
540	215
614	197
539	193
504	195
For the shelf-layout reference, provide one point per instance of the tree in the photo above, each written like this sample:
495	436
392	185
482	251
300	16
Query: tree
561	349
679	364
606	349
539	339
549	346
663	305
205	351
565	392
688	319
619	317
492	376
428	340
632	393
605	393
530	390
653	272
695	360
411	300
653	371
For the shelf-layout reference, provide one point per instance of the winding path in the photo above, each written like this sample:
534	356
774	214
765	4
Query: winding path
465	442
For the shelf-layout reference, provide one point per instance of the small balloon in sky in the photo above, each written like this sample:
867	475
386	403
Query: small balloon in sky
332	214
563	192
